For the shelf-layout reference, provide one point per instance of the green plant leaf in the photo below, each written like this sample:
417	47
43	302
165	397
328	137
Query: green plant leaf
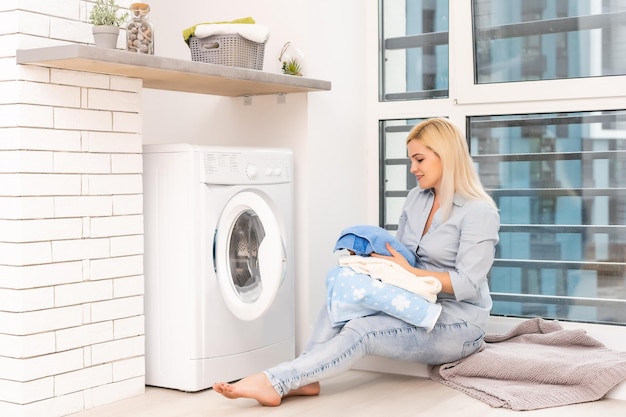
105	13
292	67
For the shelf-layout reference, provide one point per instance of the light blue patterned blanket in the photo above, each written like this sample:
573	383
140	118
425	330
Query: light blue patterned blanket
351	294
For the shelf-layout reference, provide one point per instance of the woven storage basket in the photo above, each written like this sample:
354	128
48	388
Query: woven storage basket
230	50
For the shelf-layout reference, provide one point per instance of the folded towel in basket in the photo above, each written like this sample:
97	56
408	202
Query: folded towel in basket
245	27
255	33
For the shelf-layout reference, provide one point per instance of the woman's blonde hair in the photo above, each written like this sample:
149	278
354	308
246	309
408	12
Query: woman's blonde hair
459	175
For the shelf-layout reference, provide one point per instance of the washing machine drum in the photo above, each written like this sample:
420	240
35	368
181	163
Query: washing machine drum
250	259
245	239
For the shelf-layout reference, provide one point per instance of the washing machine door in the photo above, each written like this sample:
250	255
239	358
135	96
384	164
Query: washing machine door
250	258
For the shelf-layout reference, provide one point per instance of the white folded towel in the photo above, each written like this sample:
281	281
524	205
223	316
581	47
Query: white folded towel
253	32
391	273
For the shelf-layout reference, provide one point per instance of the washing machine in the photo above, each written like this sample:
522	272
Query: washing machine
219	284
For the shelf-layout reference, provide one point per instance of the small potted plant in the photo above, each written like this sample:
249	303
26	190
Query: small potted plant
291	60
106	23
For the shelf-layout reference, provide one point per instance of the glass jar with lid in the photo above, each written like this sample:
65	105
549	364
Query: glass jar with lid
139	30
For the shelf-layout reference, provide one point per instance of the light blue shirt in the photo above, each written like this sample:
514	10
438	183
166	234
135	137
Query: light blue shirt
464	246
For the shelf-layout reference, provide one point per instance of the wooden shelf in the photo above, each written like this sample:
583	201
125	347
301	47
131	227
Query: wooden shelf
169	74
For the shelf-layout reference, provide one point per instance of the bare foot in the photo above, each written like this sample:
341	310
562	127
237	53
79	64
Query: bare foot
311	389
256	387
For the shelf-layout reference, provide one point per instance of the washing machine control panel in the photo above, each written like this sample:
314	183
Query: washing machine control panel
256	167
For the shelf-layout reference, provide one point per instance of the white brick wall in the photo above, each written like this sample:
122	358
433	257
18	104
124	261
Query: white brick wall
126	327
71	223
32	276
27	300
26	346
39	139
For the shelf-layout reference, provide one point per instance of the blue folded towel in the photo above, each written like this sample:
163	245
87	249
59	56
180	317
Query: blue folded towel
365	239
351	295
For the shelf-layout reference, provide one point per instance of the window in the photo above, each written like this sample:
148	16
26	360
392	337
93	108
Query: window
520	40
540	95
559	181
415	50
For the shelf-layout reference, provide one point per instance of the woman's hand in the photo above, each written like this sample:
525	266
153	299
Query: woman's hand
395	257
443	277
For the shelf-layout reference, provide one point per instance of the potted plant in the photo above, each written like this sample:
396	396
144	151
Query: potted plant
291	59
106	23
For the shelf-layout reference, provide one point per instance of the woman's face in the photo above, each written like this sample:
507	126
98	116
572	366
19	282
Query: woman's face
425	165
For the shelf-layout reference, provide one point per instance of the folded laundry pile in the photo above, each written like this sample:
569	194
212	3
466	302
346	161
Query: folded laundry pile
362	285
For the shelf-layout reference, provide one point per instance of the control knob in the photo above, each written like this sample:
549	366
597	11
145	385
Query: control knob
252	171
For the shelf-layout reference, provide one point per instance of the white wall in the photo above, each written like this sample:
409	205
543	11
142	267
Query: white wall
325	130
71	226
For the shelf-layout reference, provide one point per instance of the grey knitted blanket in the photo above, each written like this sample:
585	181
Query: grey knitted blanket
536	365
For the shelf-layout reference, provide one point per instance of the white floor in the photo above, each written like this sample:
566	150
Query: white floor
355	393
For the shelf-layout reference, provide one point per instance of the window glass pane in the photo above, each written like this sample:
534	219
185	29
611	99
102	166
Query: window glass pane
395	177
560	183
520	40
414	49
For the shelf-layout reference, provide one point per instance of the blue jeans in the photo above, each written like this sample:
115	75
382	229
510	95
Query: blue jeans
331	351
